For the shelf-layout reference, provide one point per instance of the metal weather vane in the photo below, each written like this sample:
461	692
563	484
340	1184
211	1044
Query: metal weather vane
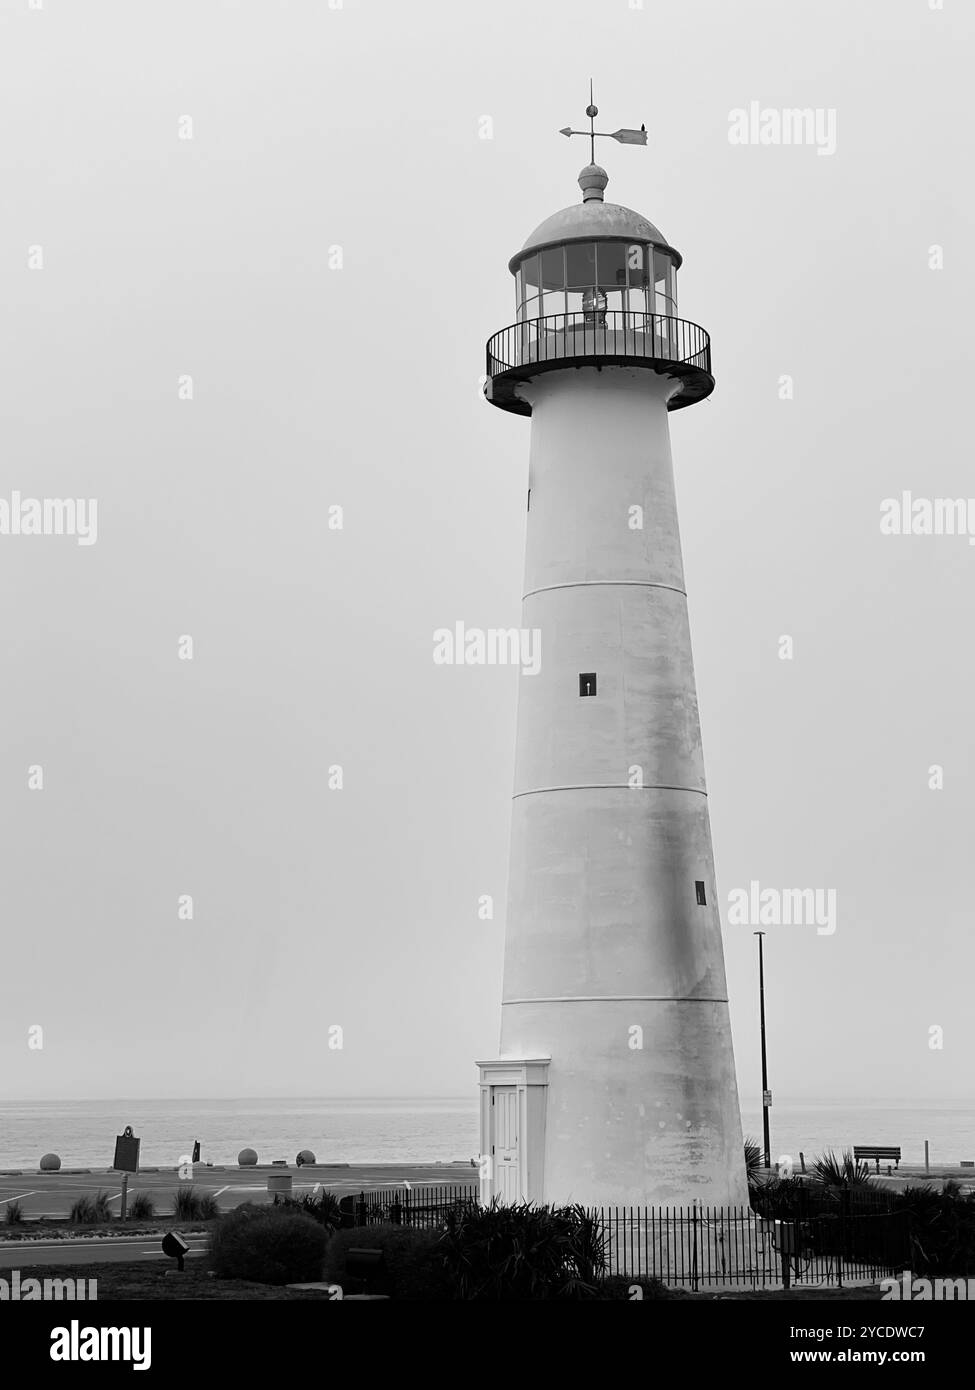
624	136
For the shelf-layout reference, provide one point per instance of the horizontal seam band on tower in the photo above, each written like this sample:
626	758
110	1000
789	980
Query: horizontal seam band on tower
619	998
587	583
607	786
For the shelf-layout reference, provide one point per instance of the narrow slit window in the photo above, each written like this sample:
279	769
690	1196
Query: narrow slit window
702	900
529	499
587	683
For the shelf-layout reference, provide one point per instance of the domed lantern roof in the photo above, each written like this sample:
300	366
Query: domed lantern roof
593	220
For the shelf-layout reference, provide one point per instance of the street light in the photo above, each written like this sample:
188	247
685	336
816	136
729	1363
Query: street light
766	1093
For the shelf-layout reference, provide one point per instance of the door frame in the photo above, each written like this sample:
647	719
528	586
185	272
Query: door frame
529	1077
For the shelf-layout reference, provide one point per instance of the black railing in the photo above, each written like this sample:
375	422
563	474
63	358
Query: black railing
697	1246
419	1207
701	1247
613	333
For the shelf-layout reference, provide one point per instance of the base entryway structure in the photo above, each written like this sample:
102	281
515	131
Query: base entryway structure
615	1031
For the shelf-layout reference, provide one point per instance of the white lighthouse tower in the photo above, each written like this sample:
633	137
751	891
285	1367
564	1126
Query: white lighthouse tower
615	1082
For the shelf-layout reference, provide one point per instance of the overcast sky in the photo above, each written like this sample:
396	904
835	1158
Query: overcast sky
317	385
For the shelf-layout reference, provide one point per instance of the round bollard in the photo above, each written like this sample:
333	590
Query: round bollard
306	1156
279	1185
50	1163
247	1158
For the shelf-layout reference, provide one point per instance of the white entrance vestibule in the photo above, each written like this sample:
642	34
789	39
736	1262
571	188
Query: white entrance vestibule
513	1097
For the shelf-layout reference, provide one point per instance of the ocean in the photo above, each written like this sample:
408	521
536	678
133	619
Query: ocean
408	1129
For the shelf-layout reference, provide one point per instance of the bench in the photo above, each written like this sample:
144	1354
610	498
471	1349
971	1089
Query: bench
878	1153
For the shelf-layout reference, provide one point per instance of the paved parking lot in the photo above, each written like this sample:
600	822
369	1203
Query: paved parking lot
52	1194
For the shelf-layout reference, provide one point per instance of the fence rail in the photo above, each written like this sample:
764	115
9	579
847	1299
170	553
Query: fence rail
828	1243
600	336
421	1207
705	1247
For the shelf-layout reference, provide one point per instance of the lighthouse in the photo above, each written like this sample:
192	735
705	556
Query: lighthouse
615	1080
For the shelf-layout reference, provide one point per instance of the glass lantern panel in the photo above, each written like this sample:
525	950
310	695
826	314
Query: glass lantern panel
611	265
573	303
638	261
553	268
553	280
638	264
580	265
611	269
663	280
529	270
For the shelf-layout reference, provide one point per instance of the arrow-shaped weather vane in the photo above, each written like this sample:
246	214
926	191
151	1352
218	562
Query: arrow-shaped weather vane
624	136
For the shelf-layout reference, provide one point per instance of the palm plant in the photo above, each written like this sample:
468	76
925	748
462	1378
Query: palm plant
754	1159
524	1252
323	1207
846	1172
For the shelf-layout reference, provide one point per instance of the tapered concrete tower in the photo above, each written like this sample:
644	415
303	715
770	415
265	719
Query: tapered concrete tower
616	1079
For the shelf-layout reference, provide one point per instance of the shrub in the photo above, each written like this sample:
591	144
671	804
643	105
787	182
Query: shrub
80	1213
323	1208
100	1209
942	1229
414	1261
269	1246
209	1207
141	1207
89	1211
186	1204
14	1214
524	1252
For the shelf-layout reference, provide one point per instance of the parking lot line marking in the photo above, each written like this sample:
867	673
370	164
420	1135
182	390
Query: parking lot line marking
5	1200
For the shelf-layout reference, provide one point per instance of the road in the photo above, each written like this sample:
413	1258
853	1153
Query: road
52	1194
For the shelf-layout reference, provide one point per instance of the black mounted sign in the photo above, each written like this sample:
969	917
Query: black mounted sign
126	1152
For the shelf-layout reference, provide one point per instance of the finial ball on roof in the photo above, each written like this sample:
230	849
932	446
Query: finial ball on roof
592	181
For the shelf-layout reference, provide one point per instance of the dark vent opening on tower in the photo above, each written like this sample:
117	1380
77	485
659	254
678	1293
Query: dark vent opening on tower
587	683
701	896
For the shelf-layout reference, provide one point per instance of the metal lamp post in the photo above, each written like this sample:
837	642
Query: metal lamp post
766	1093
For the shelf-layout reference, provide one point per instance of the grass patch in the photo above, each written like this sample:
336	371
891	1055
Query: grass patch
14	1214
141	1207
149	1281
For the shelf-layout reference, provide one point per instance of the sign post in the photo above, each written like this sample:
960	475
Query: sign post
126	1162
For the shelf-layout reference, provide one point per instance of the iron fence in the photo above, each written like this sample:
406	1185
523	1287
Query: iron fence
826	1243
420	1207
701	1247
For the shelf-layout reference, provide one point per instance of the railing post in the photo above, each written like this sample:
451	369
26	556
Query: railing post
694	1254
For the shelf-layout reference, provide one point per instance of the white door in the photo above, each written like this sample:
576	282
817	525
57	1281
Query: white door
504	1144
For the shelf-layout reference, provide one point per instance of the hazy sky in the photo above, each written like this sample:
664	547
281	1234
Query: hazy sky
316	384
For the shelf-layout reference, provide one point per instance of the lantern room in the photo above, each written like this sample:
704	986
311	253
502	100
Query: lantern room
597	283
